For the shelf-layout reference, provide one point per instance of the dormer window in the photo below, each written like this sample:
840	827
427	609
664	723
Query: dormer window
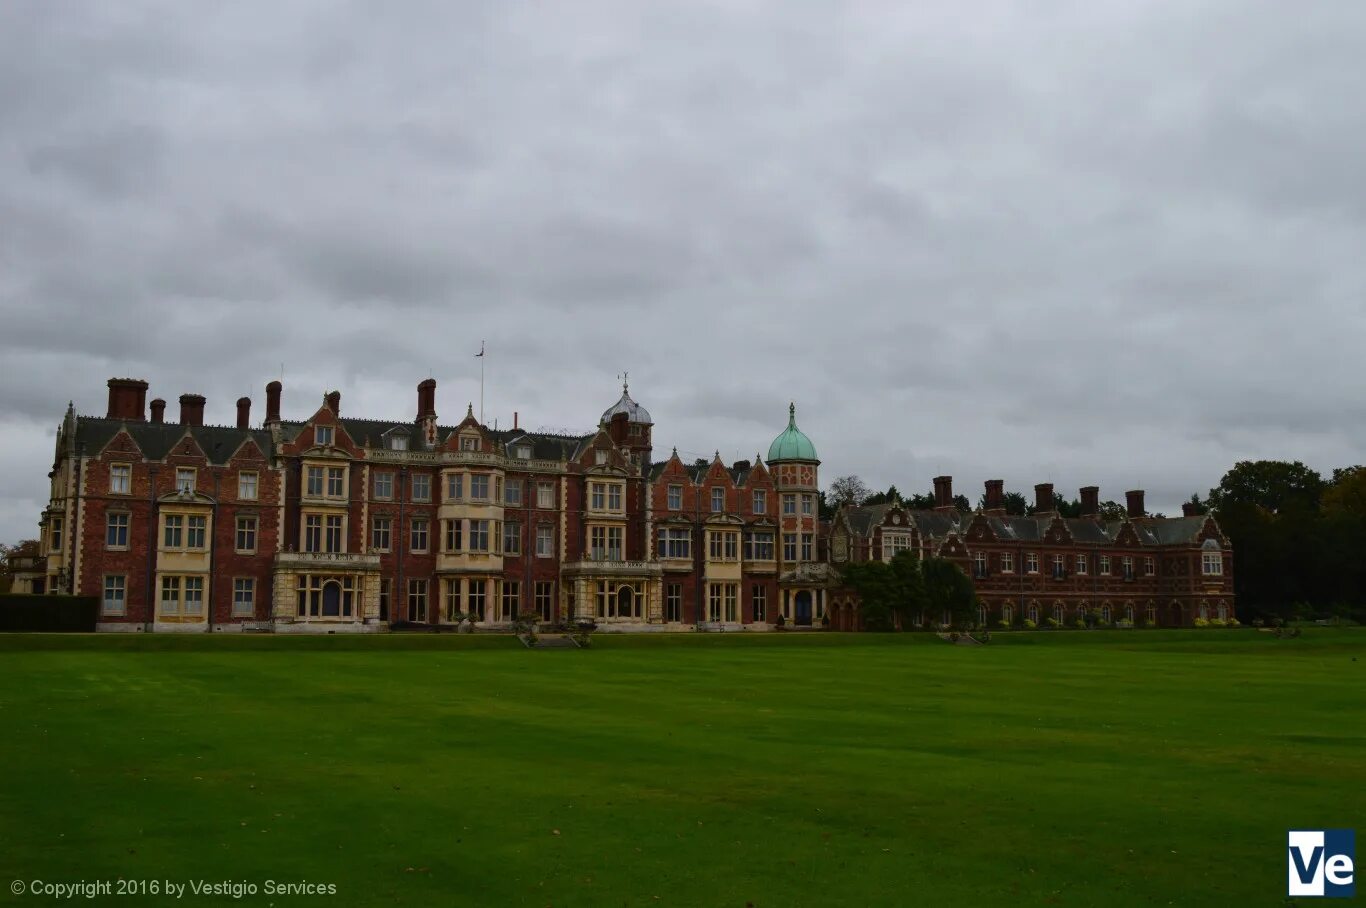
398	443
599	457
523	452
322	435
469	443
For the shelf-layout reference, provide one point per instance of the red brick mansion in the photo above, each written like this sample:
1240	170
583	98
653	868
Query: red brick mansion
334	523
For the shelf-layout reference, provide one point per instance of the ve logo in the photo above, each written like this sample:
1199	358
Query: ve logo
1321	862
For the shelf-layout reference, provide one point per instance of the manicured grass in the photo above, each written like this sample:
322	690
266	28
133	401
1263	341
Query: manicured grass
1060	768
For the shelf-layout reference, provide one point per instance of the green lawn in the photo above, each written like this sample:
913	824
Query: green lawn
1062	768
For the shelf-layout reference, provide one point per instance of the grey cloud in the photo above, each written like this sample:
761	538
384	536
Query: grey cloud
1110	243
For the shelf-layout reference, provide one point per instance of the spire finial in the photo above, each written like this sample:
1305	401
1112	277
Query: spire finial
625	386
792	414
469	410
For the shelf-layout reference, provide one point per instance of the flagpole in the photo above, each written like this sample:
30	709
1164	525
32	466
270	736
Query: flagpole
481	383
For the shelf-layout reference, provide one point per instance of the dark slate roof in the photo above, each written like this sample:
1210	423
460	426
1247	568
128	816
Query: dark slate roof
156	439
1175	530
863	519
939	523
1023	529
1086	530
543	446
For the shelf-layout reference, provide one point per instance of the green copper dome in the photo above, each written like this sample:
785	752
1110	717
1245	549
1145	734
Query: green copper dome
793	443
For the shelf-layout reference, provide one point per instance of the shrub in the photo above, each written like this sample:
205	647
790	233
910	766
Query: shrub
1202	622
1124	623
1080	624
1216	622
1053	622
1148	622
1234	622
1029	625
1004	624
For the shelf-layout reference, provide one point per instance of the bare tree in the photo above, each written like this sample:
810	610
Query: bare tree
847	490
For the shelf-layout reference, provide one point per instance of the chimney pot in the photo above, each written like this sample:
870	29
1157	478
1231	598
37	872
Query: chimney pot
273	402
1134	497
996	496
244	412
127	399
426	399
158	411
192	409
333	401
943	492
1090	501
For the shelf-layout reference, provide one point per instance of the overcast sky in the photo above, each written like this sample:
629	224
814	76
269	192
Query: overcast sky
1109	243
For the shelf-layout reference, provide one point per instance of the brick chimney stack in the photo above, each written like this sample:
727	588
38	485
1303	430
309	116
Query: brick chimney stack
333	401
996	497
127	399
244	412
1043	498
1134	497
273	402
192	409
426	399
1090	501
158	411
1190	509
943	493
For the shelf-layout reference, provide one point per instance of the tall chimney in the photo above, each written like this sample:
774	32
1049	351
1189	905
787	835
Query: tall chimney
127	399
514	419
158	411
244	412
426	398
1090	501
333	401
273	402
1135	499
1043	498
943	492
996	497
192	409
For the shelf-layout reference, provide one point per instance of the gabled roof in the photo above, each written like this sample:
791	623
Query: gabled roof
219	443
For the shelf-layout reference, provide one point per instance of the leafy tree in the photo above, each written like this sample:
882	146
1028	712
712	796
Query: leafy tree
1015	504
948	589
1347	493
920	502
847	490
1273	485
883	497
1110	510
1196	506
887	590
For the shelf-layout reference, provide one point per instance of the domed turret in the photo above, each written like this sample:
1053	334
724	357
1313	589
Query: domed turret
792	444
634	411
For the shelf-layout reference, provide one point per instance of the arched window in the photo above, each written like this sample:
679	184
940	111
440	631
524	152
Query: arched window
1204	609
982	615
1105	614
1007	613
1223	610
1034	612
1058	612
1129	612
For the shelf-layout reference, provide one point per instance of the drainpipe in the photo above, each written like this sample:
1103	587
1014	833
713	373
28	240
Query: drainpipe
154	533
213	521
396	595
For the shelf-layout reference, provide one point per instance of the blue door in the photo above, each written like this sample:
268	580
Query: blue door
804	608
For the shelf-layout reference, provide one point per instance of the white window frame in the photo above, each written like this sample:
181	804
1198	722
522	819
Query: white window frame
248	485
120	479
